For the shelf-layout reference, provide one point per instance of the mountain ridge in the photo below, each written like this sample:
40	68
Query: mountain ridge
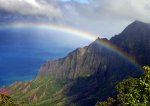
135	41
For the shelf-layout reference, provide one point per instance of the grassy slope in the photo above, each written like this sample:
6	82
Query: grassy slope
43	91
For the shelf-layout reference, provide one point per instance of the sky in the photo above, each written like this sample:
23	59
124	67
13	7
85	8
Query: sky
104	18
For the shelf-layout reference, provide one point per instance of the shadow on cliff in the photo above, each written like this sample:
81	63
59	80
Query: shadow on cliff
86	91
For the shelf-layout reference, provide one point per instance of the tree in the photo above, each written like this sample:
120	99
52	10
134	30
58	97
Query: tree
109	102
132	91
6	100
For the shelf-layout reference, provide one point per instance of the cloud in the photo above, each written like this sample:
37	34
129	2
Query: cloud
30	7
108	17
79	1
125	9
101	17
97	9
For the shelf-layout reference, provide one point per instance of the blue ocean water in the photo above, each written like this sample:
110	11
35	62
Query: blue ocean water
22	51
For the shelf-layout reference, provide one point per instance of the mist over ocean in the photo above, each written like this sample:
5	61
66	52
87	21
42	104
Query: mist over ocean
23	50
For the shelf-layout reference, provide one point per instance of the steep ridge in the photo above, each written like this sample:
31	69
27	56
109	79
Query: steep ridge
83	62
92	70
135	40
87	74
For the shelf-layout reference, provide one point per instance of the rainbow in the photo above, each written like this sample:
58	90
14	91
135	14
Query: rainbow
74	32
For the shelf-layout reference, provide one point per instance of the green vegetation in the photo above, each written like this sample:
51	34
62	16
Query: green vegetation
43	91
132	92
6	100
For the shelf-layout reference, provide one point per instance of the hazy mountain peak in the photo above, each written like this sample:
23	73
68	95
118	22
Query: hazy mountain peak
133	40
98	39
101	39
136	27
138	23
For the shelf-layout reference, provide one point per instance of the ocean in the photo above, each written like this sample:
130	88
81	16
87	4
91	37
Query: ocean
22	51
